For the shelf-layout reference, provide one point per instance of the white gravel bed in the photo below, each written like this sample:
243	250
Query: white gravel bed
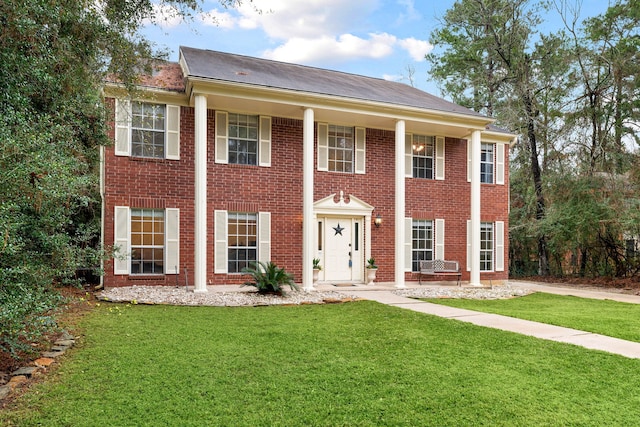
496	292
179	296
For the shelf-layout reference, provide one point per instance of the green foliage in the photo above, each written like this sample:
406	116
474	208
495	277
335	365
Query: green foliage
316	264
26	313
268	278
54	59
371	263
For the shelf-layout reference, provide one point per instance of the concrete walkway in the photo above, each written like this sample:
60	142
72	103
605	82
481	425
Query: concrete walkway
384	294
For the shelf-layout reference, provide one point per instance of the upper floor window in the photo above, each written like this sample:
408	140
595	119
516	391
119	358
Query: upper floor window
424	156
243	139
423	147
145	129
486	163
492	162
340	148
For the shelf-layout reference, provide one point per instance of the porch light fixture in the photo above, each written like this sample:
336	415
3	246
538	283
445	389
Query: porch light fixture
377	221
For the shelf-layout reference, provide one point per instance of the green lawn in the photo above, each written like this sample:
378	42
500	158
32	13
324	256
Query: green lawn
611	318
355	364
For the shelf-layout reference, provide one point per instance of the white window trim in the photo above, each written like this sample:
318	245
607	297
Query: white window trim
359	149
439	150
498	247
122	240
221	242
221	155
498	163
123	129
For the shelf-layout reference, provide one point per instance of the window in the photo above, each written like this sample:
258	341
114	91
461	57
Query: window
486	246
243	139
486	164
424	156
242	240
422	147
147	130
147	241
422	242
340	149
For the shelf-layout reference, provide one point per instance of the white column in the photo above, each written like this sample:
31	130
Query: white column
200	231
399	205
308	223
475	208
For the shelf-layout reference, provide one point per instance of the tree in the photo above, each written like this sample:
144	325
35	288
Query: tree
488	63
54	56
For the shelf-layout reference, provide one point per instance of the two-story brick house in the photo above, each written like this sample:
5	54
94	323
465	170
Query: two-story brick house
223	159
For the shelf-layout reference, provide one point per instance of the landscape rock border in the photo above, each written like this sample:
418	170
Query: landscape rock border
22	375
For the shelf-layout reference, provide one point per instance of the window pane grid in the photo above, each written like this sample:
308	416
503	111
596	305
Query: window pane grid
243	139
147	129
486	246
341	143
147	241
486	164
422	242
242	240
423	156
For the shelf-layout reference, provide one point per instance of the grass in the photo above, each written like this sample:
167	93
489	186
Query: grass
356	364
611	318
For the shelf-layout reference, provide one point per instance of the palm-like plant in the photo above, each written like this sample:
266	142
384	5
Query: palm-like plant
268	278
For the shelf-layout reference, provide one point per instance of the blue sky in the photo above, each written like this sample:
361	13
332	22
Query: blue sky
377	38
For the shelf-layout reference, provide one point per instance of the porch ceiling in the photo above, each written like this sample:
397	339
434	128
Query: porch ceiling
344	113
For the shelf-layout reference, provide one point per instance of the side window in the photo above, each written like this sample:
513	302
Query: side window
242	238
147	241
147	130
422	242
243	139
486	163
422	147
486	246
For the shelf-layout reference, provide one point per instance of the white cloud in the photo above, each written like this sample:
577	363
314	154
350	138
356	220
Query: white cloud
393	77
165	16
218	19
416	48
331	49
290	19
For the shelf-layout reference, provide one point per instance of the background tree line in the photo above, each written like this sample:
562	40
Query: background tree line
573	96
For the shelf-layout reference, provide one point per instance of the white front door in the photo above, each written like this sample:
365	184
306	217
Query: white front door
343	250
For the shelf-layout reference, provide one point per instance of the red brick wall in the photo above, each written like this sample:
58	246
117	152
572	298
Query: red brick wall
278	189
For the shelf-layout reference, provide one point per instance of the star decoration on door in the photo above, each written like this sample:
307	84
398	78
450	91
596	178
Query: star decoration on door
338	230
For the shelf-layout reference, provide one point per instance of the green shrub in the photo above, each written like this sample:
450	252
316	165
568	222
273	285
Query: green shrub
268	278
26	314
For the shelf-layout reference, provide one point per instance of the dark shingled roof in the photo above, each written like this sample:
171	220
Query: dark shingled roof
229	67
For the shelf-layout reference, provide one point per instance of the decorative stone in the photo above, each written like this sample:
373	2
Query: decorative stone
16	381
65	343
4	391
27	371
67	336
52	354
62	348
44	361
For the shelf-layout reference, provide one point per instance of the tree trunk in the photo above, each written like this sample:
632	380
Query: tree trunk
543	259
